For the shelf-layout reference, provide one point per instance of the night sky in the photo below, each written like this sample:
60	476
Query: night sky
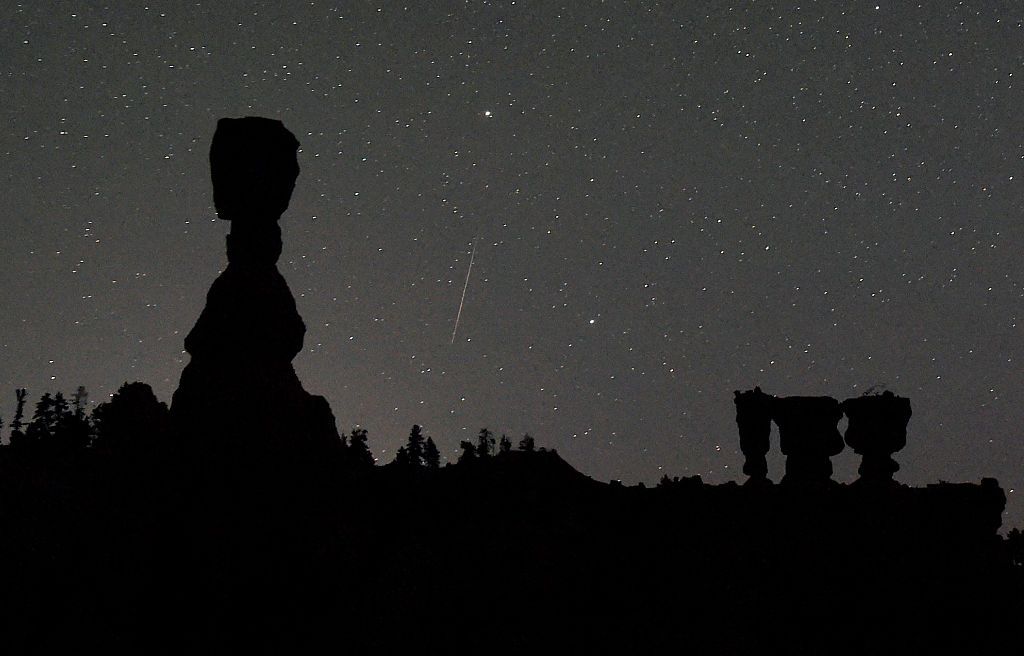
669	202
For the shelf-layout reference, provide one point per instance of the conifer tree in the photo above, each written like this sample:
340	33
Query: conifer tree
402	458
55	426
431	456
526	444
414	446
358	451
44	420
17	436
79	400
504	445
74	430
61	407
468	452
484	443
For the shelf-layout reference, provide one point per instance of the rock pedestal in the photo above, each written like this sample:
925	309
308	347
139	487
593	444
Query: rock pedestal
754	419
808	436
877	429
240	390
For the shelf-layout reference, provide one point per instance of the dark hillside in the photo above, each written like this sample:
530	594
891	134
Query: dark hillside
506	553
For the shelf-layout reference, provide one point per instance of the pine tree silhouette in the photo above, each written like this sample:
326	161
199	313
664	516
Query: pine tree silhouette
431	456
74	430
55	427
44	419
17	436
484	443
468	452
402	458
504	445
414	446
358	452
527	443
79	401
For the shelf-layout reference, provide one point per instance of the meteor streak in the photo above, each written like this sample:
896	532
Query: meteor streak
464	288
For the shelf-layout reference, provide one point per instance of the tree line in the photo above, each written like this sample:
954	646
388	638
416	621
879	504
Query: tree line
135	421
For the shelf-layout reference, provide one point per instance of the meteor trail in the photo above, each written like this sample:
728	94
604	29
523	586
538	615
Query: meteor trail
464	288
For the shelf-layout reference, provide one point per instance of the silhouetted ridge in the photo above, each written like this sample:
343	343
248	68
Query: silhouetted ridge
240	386
524	469
123	546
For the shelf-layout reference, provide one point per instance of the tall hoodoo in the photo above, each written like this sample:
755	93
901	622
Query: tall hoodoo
240	389
754	420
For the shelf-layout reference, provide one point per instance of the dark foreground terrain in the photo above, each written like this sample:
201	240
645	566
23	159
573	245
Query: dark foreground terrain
263	552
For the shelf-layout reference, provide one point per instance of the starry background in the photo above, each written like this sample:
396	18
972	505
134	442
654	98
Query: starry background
670	201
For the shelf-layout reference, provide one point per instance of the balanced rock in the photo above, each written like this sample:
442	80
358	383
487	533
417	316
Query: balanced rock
240	389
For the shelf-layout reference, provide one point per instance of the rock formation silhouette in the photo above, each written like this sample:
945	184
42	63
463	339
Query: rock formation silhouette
240	388
754	419
877	429
808	436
